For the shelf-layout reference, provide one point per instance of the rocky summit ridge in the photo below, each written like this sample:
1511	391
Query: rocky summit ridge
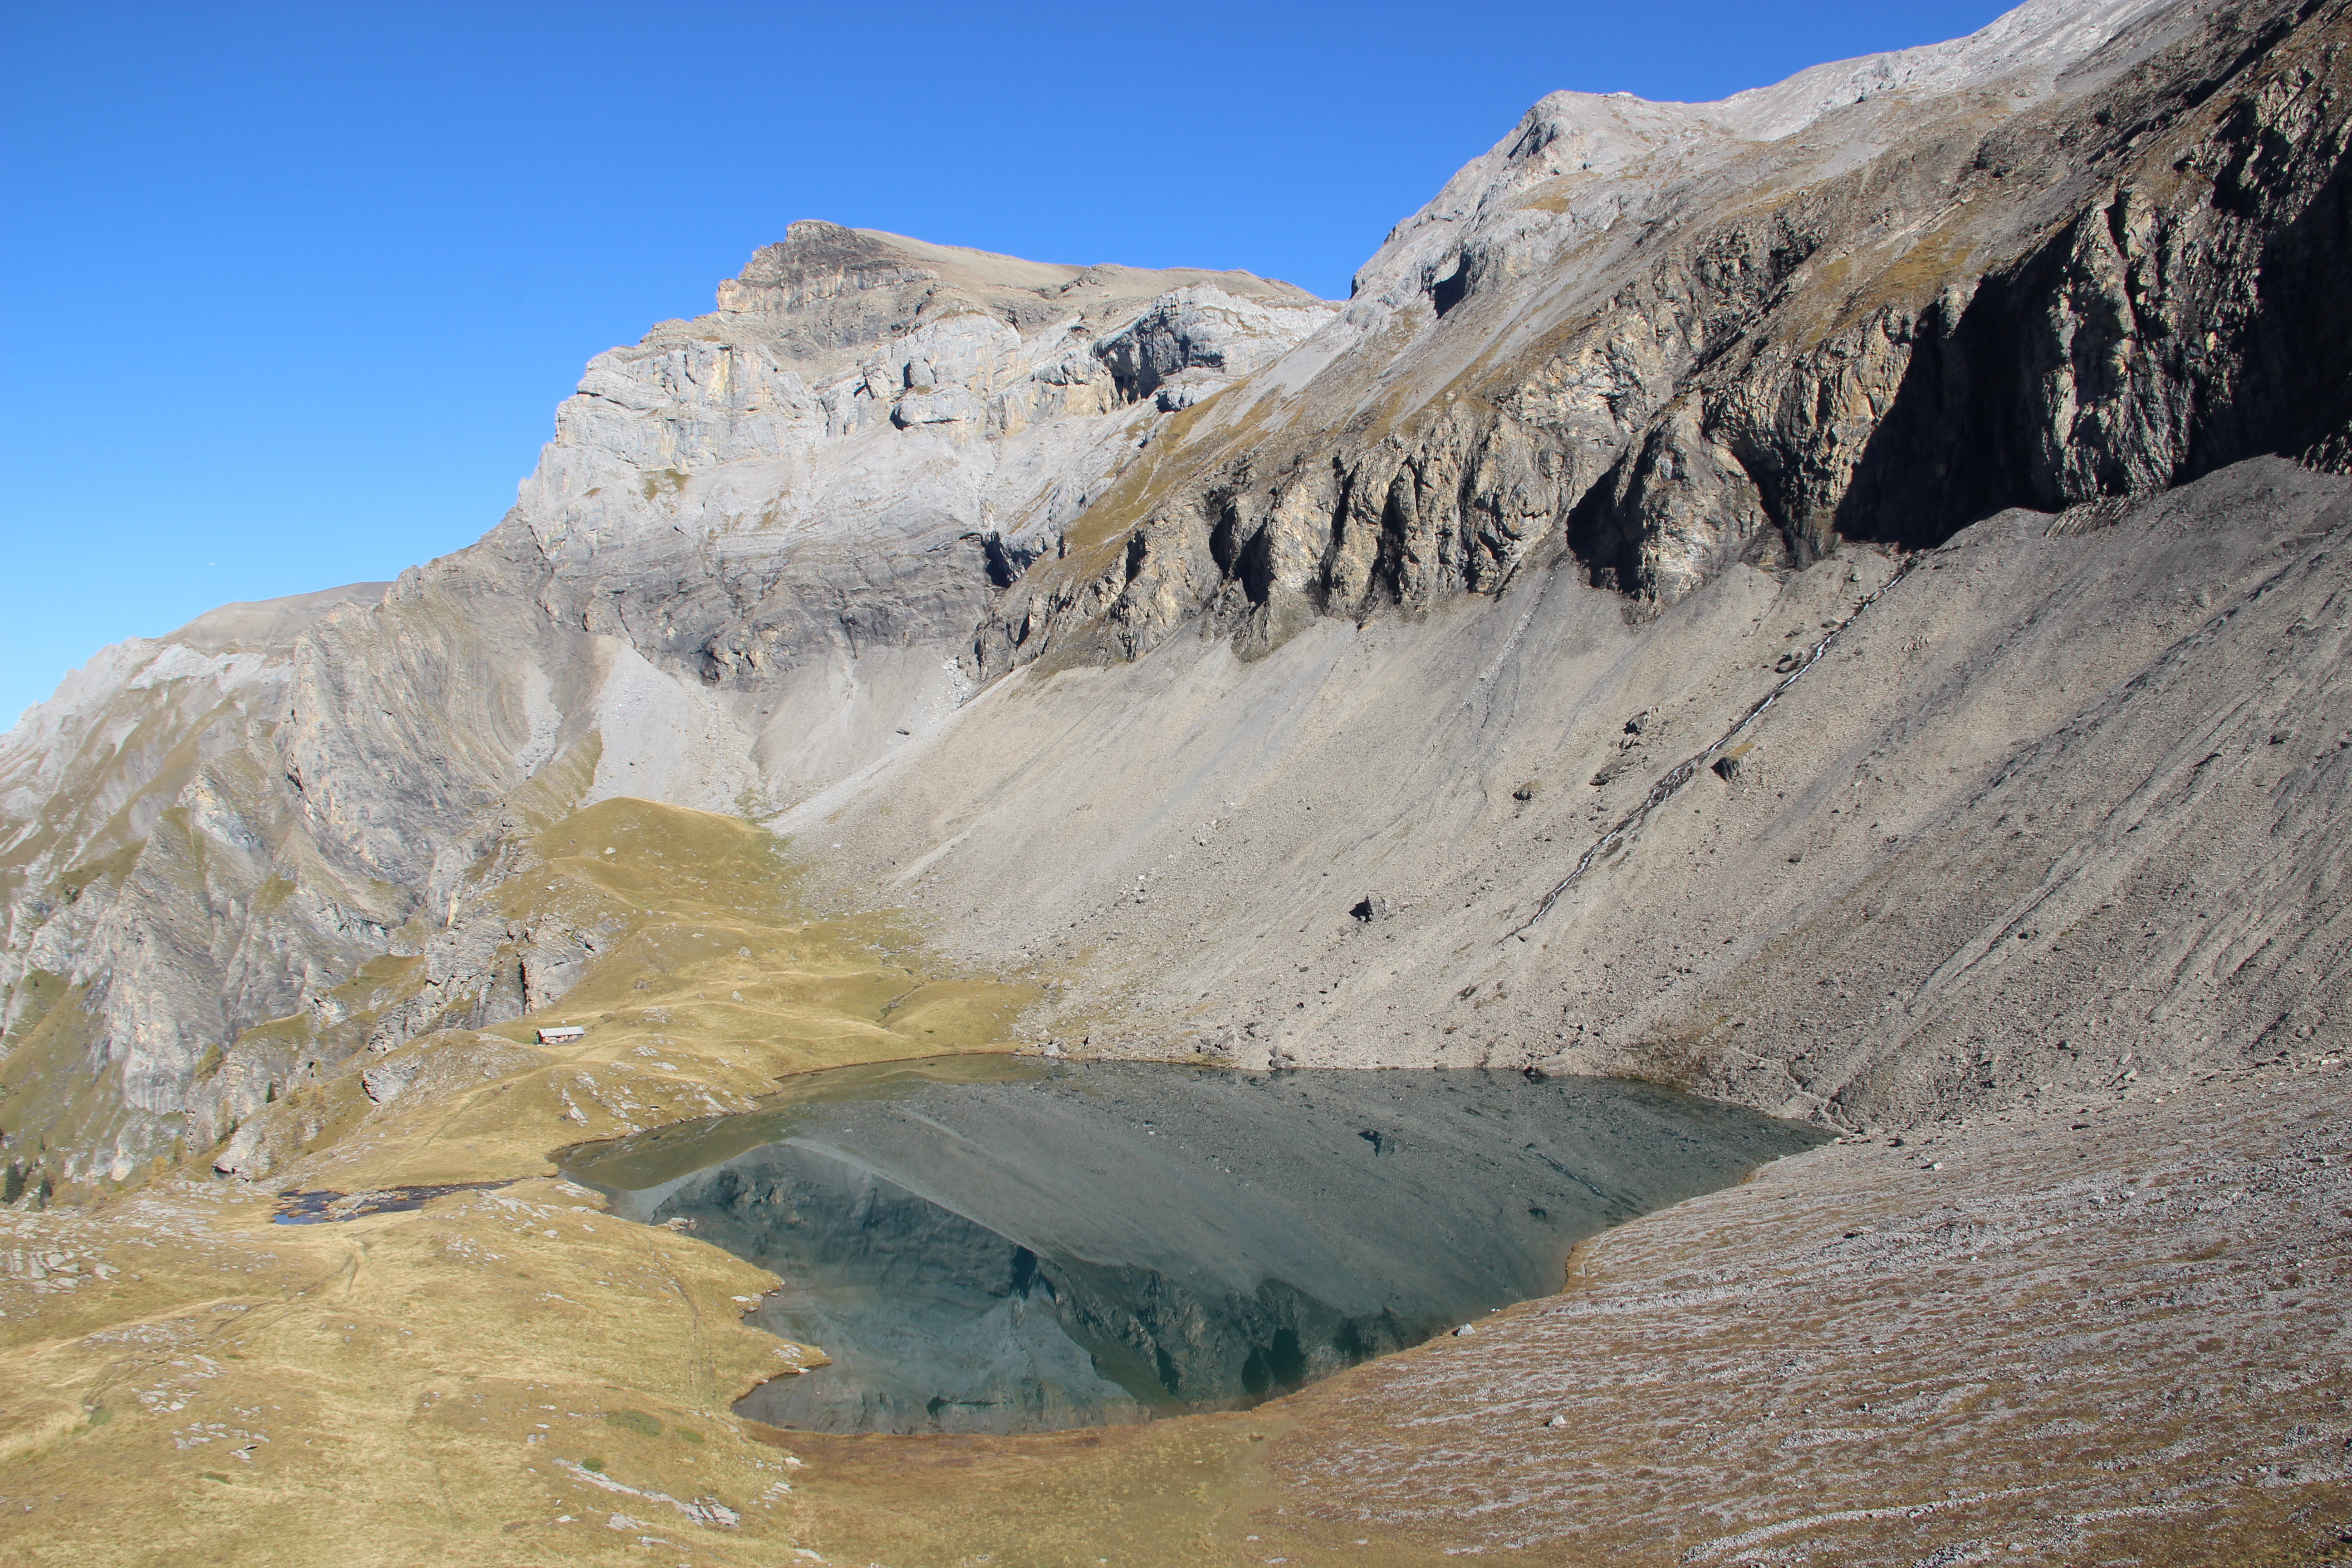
745	562
1283	681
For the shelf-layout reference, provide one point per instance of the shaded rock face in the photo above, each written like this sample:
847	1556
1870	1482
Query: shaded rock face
2192	316
1641	384
1667	338
1198	341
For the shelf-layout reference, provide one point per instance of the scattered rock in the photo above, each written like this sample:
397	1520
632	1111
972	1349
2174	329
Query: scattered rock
1623	765
709	1511
1371	907
384	1080
1727	769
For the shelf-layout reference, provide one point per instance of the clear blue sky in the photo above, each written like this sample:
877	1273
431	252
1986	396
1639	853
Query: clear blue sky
291	293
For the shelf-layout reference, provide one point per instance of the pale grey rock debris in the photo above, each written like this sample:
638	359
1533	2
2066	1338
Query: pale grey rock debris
384	1081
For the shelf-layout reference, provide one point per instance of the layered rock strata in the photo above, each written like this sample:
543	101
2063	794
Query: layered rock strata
2092	252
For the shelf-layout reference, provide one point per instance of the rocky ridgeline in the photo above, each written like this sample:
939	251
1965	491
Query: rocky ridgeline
867	438
2083	254
1639	360
815	491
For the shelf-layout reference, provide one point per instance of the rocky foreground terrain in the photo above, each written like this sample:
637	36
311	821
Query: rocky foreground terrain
1836	599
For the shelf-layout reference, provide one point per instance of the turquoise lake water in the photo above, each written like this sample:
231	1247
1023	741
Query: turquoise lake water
999	1245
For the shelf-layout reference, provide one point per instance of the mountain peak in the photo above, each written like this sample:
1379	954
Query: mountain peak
824	288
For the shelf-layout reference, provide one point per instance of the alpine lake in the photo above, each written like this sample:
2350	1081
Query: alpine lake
990	1244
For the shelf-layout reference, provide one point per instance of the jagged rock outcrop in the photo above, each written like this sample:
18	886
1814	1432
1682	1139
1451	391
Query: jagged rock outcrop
868	438
745	567
1669	337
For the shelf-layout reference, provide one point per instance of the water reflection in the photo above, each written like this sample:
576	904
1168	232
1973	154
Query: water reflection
992	1245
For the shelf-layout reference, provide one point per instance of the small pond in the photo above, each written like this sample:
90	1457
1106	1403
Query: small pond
987	1243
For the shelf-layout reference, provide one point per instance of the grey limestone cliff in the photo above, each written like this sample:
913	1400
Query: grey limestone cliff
2090	252
747	565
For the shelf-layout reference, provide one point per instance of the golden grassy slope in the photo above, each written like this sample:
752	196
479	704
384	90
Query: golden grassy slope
182	1378
402	1388
515	1377
710	980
